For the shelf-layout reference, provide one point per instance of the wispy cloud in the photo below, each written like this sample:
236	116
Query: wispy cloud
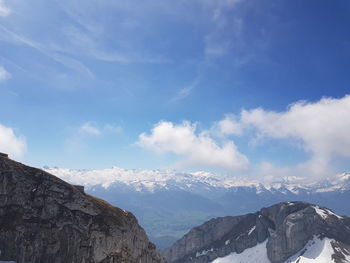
226	28
69	62
4	10
91	128
4	74
85	44
89	38
80	137
186	91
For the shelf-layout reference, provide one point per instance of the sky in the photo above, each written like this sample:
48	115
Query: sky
241	87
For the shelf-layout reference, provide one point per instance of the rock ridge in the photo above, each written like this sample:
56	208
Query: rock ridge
44	219
286	226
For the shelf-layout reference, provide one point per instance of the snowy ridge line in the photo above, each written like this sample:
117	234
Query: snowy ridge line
151	180
325	213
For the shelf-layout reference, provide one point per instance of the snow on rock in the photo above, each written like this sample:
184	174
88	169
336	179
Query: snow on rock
251	230
204	252
254	254
324	213
316	250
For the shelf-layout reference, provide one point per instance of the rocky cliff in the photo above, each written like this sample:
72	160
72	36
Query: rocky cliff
287	228
44	219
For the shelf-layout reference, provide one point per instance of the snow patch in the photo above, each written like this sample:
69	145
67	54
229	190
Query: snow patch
316	250
251	230
227	242
320	212
254	254
204	252
324	213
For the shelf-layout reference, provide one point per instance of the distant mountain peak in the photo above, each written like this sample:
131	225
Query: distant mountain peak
151	180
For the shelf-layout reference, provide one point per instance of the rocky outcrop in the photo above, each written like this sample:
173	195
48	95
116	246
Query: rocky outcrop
44	219
286	226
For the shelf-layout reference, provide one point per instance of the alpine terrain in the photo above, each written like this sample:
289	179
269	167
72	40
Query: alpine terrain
286	232
169	203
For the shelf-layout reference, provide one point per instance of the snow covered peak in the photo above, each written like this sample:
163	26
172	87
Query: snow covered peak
151	180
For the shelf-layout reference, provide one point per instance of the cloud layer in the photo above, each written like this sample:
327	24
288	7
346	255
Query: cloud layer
11	143
320	129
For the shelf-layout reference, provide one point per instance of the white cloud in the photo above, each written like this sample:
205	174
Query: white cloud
320	129
4	74
195	148
10	143
228	126
4	10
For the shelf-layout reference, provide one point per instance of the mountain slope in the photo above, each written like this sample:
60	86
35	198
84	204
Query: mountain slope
44	219
320	250
278	233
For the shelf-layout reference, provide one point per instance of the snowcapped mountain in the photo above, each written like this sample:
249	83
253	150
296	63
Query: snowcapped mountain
169	203
153	180
289	232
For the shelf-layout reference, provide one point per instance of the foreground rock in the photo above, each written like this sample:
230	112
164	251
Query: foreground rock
44	219
283	230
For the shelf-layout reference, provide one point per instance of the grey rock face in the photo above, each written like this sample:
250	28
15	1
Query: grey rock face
219	237
287	226
295	229
44	219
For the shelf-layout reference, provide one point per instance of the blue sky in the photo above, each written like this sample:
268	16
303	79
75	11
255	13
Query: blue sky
191	85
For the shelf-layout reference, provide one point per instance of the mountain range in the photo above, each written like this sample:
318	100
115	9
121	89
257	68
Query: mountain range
169	203
45	219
